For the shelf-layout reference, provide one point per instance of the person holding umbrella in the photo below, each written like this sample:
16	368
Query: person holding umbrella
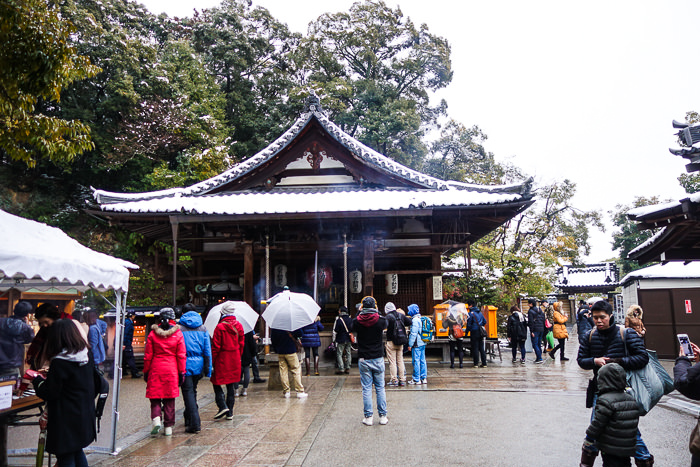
284	344
227	346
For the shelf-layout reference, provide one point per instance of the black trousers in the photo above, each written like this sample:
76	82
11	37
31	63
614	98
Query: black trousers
128	360
189	396
477	346
456	347
560	346
227	401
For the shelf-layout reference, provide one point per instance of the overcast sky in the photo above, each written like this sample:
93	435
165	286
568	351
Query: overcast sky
579	90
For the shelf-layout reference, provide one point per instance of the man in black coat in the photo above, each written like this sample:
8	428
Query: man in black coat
535	320
606	345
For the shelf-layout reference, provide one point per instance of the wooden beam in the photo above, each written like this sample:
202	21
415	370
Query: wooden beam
248	265
368	266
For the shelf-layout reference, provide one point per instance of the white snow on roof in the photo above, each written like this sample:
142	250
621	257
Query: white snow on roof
316	201
594	276
644	210
648	242
671	270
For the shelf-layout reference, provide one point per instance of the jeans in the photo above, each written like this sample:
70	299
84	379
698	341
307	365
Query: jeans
537	344
72	459
189	397
290	362
640	449
477	345
245	377
372	372
420	369
225	402
456	347
397	368
167	411
515	345
343	356
254	367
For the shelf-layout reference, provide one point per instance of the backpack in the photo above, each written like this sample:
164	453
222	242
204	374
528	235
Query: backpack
400	337
427	330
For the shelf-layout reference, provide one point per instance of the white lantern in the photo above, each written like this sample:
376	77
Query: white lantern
355	281
280	275
392	284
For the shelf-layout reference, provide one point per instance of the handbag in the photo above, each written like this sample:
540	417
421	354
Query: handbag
457	331
550	339
482	330
646	385
694	443
350	335
661	372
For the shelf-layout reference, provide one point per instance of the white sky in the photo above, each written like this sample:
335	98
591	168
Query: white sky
579	90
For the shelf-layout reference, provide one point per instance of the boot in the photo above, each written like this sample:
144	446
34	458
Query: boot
307	362
587	459
316	366
644	463
156	426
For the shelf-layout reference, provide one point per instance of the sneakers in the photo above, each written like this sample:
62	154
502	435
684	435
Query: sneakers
452	365
244	392
482	366
347	371
424	381
259	380
551	354
229	416
412	382
168	431
539	361
564	359
392	383
339	372
286	395
192	430
515	360
460	365
156	426
221	414
383	420
522	361
302	395
402	383
368	421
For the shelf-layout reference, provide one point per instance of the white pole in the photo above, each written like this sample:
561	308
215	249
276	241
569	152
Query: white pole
116	386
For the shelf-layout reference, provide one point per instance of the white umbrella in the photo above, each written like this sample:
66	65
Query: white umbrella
592	300
244	314
458	309
290	311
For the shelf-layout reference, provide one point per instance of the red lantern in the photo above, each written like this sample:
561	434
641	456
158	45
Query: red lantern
325	277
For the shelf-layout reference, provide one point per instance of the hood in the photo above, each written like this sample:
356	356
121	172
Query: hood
164	333
78	357
191	319
413	310
389	307
368	317
611	377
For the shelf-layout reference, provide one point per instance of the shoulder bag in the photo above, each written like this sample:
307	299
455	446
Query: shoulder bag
351	335
694	444
645	383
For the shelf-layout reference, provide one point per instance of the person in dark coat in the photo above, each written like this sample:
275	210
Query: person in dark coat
517	333
606	345
535	320
45	314
250	350
128	345
227	345
341	331
198	348
456	343
686	379
474	322
613	429
584	322
69	392
14	334
311	341
284	344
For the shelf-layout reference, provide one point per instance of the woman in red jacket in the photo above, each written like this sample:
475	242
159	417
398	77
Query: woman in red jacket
164	365
226	348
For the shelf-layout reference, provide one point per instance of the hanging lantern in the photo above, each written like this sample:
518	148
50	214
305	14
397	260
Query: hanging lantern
325	277
392	284
280	275
355	281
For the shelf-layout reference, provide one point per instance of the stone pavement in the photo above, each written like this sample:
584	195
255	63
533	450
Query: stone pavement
504	415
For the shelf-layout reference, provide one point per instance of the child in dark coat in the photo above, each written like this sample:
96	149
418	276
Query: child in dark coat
613	428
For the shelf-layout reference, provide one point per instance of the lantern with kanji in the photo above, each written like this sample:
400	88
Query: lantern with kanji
392	284
280	275
355	281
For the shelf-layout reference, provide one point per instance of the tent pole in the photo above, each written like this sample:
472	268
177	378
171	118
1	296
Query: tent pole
116	386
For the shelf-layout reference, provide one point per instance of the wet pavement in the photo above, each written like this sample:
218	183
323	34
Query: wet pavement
503	415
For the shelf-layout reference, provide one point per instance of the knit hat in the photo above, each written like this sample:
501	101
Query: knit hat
369	302
228	309
22	309
413	309
389	307
167	313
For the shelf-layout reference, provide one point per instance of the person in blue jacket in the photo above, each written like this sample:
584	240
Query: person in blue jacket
97	343
417	347
474	322
198	348
128	345
311	341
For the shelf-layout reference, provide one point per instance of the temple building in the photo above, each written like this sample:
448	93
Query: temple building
317	211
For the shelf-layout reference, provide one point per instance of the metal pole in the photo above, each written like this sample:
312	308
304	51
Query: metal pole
116	386
345	270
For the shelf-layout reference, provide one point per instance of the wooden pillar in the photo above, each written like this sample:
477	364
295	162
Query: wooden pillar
435	265
174	225
368	266
248	263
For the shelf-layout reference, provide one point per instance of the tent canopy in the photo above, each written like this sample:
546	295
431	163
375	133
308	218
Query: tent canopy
35	255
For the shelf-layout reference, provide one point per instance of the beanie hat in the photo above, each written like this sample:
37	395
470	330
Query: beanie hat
389	307
167	313
22	309
369	302
413	309
228	309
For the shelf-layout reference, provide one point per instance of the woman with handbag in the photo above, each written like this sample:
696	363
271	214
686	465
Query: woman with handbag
559	331
686	379
453	322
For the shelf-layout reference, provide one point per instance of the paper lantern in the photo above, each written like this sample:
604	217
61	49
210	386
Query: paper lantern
325	277
392	284
355	281
280	275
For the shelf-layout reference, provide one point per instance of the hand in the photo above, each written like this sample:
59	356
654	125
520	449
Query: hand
409	348
145	376
600	361
182	379
533	334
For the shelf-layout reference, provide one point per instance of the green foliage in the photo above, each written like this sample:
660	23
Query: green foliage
628	237
37	61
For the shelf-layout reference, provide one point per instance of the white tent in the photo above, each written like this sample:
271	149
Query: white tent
37	256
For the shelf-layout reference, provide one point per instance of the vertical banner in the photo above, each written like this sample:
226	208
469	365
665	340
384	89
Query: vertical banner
688	307
437	287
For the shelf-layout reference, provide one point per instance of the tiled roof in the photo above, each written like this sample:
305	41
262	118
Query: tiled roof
589	276
671	270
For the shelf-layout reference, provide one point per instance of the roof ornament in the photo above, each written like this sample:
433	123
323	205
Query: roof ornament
312	103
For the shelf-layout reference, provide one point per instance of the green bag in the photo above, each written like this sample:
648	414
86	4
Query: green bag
550	340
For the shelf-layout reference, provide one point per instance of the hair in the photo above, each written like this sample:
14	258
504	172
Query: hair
557	306
90	318
63	335
188	307
635	311
514	308
78	315
532	301
343	309
602	305
47	310
471	302
22	309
